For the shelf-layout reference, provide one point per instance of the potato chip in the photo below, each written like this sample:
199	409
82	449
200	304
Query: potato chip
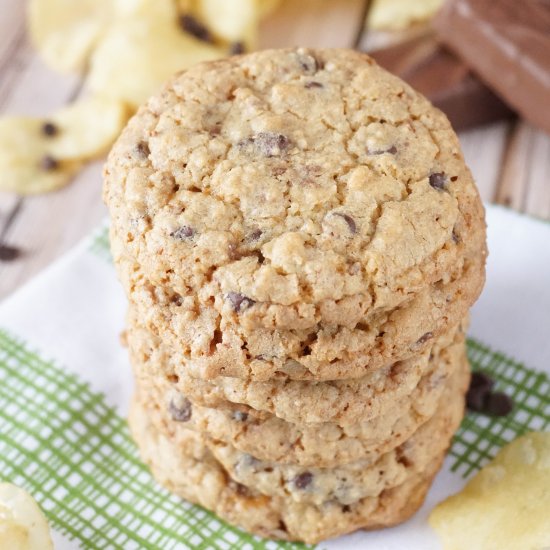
39	155
506	506
138	54
143	8
231	21
400	14
22	523
66	31
87	128
25	165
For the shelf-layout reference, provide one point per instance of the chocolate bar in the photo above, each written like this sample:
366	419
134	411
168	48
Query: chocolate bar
445	80
507	44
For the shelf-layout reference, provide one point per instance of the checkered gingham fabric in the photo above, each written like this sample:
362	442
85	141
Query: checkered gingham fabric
62	442
73	452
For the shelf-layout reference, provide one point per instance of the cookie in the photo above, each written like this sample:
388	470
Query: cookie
192	472
342	402
211	347
324	444
345	484
289	188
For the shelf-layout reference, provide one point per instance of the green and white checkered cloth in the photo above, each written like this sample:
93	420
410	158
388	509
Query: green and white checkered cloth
65	384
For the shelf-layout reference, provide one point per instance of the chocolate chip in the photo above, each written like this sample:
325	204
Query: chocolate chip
480	397
240	416
313	84
239	302
240	489
142	149
349	220
424	338
303	480
390	150
438	181
346	508
184	232
236	48
254	235
49	129
194	27
176	299
476	398
9	253
180	409
48	163
498	404
269	144
308	63
481	380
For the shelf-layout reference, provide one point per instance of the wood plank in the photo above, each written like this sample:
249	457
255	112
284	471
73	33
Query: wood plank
331	23
12	28
537	199
28	87
483	150
514	176
49	225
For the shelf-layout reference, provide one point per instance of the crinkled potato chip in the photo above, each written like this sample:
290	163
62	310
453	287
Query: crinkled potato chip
22	523
66	31
232	21
399	14
39	155
506	506
87	128
138	54
25	164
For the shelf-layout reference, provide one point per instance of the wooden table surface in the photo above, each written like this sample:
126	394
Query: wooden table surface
510	160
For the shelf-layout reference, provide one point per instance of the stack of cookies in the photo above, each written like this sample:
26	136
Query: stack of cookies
300	242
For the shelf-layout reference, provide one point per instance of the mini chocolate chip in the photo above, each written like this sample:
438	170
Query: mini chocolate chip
9	253
303	480
390	150
194	27
346	508
269	144
48	163
182	410
142	149
239	302
498	404
476	398
424	338
308	63
240	416
236	48
254	235
481	380
184	232
176	299
438	180
240	489
349	220
49	129
313	84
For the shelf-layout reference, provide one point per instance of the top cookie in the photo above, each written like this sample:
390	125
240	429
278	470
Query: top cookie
293	187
